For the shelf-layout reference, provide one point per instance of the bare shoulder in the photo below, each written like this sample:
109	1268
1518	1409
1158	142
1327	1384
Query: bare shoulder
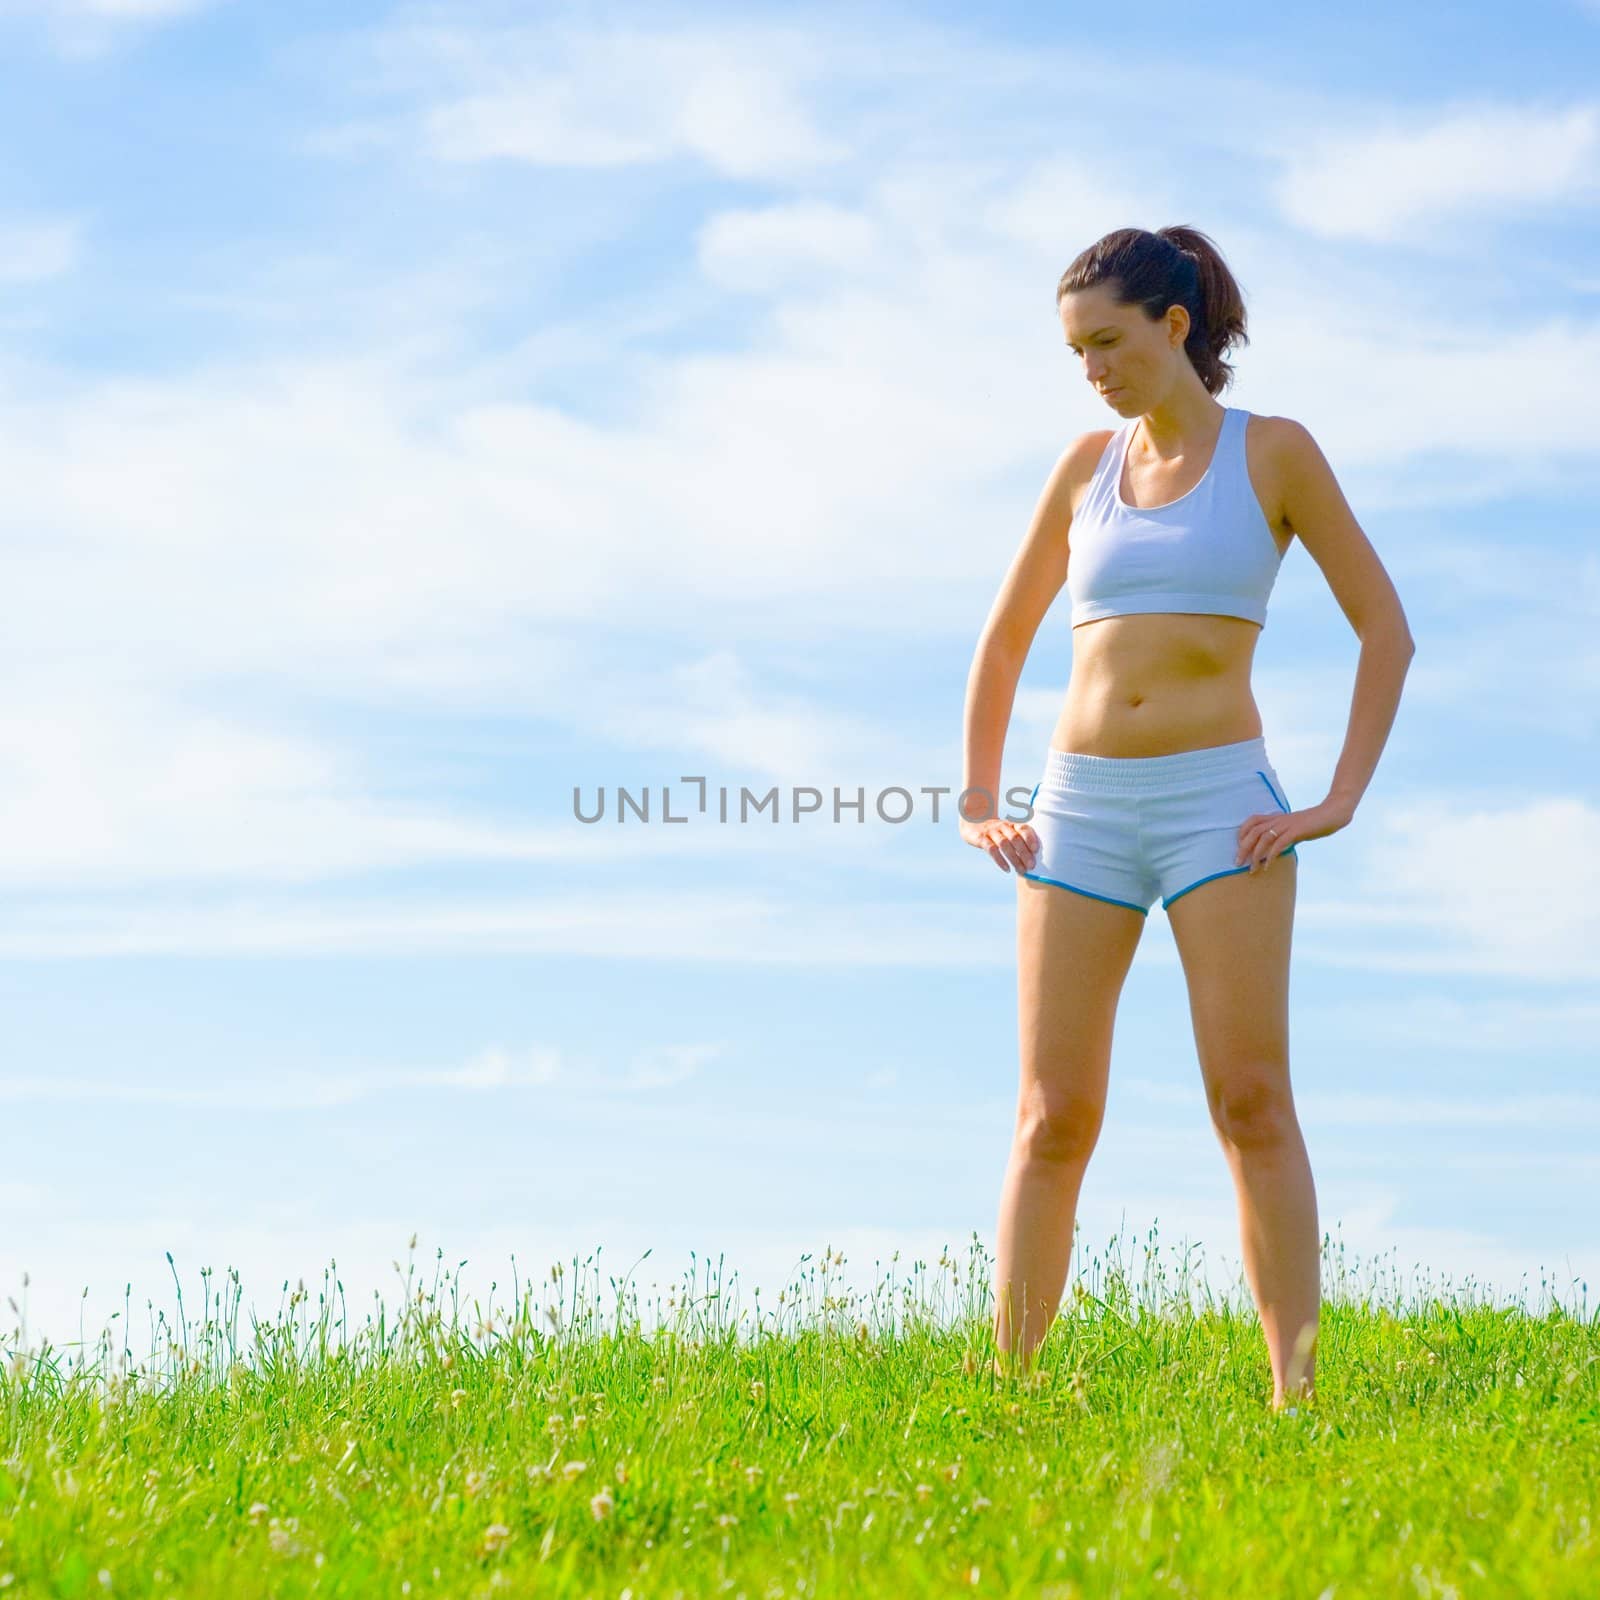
1039	568
1282	433
1079	460
1315	509
1283	459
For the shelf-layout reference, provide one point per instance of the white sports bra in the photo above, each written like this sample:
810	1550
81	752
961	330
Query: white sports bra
1210	550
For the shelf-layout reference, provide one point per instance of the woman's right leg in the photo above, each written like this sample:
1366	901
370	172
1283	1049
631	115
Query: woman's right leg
1073	953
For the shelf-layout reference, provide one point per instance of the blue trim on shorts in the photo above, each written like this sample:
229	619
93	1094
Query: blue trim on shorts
1273	792
1281	806
1034	877
1232	871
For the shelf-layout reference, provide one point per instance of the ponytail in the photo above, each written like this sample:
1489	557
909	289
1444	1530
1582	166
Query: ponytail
1173	266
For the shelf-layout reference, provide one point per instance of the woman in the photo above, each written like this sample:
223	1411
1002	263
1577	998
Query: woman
1169	531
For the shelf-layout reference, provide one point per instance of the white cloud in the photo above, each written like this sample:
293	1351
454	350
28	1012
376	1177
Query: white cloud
133	10
1511	889
288	1091
1478	163
558	96
36	251
739	926
109	10
86	30
105	784
1494	1025
494	1068
759	251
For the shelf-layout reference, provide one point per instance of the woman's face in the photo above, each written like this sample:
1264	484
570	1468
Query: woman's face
1125	357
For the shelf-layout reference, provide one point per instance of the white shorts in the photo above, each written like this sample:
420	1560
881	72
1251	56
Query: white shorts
1132	829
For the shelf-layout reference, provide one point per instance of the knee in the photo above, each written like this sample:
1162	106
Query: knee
1254	1111
1064	1128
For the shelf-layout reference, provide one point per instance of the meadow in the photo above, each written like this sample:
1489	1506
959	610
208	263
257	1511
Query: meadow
833	1444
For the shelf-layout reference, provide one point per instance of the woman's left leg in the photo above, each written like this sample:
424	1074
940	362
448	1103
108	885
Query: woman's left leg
1233	935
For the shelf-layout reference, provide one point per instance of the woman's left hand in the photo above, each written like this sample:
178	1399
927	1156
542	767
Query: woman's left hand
1264	837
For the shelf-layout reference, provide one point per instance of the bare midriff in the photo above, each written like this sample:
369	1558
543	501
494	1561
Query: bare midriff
1154	683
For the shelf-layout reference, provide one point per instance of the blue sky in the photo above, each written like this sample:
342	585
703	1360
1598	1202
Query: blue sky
410	414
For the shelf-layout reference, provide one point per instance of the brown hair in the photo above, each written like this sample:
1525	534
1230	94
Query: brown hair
1172	266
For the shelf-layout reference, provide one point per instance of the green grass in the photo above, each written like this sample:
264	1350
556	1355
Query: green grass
826	1446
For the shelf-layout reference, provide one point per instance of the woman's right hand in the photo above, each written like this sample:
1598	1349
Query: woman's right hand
1010	844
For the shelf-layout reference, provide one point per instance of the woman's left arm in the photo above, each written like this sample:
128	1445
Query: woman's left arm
1315	508
1385	658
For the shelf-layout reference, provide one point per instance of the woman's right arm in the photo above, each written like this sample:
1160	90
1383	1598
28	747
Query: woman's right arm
1034	580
